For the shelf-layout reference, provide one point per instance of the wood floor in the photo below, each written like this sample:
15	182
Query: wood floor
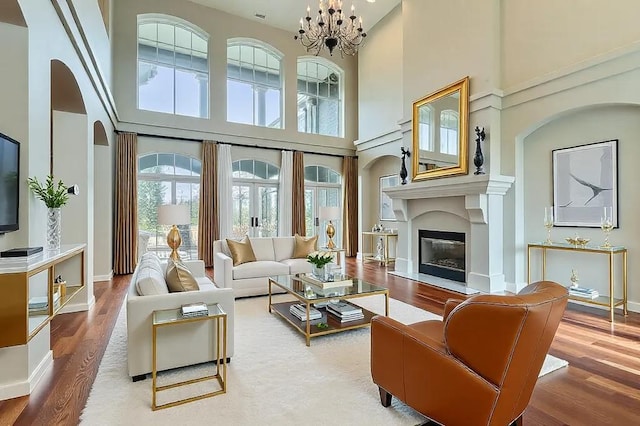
601	386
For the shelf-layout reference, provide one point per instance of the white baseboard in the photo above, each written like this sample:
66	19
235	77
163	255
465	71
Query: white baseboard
103	277
25	387
633	306
79	307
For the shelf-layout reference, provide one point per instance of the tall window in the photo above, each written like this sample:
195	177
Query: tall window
173	67
319	97
322	188
254	83
255	198
426	125
168	179
449	132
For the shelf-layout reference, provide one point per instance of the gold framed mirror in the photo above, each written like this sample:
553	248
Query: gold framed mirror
440	128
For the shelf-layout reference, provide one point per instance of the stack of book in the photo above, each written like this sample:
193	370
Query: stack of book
345	311
339	281
194	310
300	311
587	293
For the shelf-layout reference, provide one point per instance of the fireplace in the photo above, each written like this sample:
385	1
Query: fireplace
442	254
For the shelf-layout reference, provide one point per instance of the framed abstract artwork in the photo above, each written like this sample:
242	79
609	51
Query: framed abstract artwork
585	181
386	208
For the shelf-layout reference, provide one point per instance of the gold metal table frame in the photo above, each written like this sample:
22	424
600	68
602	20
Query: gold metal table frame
295	288
169	317
386	237
609	301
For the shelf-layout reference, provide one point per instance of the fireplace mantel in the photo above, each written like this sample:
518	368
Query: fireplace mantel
477	199
452	187
474	188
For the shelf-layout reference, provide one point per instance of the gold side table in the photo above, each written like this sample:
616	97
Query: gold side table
605	300
386	237
169	317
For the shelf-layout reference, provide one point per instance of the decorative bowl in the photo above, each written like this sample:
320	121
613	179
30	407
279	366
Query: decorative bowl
578	241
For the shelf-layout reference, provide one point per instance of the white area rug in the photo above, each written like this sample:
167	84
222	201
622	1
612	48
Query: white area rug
273	378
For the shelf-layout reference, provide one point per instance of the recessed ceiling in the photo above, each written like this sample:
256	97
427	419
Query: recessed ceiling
286	14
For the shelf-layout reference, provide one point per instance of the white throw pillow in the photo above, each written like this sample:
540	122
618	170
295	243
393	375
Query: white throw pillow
150	282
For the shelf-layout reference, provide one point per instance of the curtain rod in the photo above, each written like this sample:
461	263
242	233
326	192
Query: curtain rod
234	144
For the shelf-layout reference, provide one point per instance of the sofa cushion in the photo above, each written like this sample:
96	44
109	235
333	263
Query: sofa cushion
241	251
260	268
283	248
150	282
179	278
304	246
150	259
262	248
297	266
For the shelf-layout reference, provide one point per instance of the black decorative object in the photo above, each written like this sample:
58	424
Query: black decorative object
478	158
403	168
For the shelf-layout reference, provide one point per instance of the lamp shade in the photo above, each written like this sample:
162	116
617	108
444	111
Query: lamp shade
173	214
329	213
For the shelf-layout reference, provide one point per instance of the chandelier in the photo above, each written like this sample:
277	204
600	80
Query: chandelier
331	29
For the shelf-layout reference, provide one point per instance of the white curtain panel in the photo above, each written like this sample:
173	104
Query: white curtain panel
285	195
225	183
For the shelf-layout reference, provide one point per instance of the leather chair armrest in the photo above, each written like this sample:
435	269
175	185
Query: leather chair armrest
449	306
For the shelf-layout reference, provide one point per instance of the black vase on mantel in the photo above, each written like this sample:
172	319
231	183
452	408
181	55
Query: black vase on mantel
478	158
403	167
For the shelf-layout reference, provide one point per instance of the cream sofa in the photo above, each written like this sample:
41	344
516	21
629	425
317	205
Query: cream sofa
179	345
273	257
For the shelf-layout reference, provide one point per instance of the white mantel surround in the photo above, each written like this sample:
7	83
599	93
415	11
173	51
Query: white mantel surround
472	204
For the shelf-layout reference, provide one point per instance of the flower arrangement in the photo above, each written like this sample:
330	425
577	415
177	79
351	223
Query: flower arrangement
54	196
319	259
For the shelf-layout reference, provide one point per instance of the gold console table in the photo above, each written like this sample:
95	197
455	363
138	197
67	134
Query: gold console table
385	258
605	300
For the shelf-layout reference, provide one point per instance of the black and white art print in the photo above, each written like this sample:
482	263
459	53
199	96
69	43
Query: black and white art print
585	180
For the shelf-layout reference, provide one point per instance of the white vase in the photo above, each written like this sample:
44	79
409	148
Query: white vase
319	272
54	228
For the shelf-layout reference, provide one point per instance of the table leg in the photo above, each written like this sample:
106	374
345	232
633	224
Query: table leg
611	288
269	295
624	283
308	333
153	369
544	263
224	353
386	304
528	265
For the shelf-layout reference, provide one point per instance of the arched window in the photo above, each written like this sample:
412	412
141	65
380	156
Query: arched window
322	188
255	198
254	83
173	66
449	132
426	128
168	179
320	108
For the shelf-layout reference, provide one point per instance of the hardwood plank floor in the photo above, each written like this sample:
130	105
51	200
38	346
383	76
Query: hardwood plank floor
600	386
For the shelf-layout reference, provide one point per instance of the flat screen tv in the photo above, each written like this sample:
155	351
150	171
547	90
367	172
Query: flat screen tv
9	183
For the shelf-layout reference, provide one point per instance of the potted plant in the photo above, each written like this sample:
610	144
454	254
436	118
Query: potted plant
319	260
54	196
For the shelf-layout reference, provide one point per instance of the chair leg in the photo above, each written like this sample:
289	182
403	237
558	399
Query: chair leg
517	422
385	397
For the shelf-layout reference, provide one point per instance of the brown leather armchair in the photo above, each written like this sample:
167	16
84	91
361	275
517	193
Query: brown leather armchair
477	366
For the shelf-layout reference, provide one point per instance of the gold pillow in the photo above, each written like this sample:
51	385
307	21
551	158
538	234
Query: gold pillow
303	246
179	278
241	251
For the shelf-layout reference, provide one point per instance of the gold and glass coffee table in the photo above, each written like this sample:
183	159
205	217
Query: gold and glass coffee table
308	295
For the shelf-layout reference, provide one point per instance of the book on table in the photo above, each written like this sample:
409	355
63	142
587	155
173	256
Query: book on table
194	309
300	312
342	281
345	311
587	293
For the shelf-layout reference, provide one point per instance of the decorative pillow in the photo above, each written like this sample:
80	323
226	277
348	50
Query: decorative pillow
241	251
150	282
304	246
179	278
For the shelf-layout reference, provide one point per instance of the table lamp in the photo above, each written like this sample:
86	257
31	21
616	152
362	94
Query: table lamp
330	213
172	214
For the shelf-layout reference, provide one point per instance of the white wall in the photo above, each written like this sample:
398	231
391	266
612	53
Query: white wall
14	85
103	201
380	77
221	26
